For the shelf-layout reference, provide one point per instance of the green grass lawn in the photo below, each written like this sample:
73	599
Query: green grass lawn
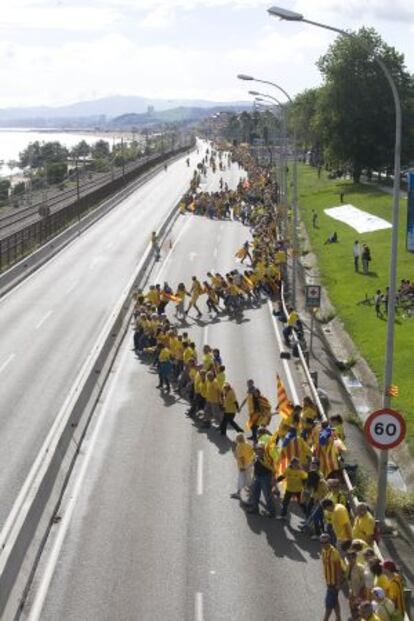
346	288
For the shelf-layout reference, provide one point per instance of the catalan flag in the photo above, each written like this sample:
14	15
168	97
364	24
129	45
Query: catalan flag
170	297
327	452
393	391
290	448
285	406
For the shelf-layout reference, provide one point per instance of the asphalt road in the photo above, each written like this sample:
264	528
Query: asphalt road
148	531
50	322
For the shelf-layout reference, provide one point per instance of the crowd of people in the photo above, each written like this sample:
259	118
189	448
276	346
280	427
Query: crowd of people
301	457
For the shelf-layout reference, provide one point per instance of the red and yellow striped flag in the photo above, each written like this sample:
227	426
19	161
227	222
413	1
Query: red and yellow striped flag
392	391
285	407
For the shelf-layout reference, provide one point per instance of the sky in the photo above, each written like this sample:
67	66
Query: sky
55	52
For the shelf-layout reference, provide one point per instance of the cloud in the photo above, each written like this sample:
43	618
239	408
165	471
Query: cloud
161	18
47	16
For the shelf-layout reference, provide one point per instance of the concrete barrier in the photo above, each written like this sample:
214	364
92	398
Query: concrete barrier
27	526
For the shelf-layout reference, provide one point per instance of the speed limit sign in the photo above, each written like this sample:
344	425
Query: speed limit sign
385	428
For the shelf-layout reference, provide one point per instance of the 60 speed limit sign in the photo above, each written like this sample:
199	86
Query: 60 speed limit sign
385	428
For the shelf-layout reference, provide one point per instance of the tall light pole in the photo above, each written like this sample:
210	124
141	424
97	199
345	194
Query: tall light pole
283	176
389	350
295	250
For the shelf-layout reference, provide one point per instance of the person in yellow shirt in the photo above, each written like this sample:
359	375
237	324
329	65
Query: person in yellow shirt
199	397
339	519
294	477
245	456
153	296
364	524
180	294
395	588
195	291
230	407
189	353
164	368
212	407
333	571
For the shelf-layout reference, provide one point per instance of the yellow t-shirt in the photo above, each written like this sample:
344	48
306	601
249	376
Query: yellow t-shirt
340	520
364	527
244	454
294	479
189	353
292	319
221	378
230	401
213	391
208	362
165	354
153	296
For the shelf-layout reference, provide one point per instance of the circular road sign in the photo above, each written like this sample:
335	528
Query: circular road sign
385	428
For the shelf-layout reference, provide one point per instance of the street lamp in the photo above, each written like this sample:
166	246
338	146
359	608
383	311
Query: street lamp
245	77
389	350
283	176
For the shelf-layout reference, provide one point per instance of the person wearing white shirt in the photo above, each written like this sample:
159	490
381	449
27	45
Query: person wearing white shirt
357	254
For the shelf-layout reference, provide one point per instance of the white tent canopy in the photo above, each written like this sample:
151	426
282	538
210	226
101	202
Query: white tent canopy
361	221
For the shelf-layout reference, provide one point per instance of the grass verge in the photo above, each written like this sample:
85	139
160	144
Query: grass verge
346	288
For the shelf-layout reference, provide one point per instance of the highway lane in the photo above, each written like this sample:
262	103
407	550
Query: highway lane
154	534
50	322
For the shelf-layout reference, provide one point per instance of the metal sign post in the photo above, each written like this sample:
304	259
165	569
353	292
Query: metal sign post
312	301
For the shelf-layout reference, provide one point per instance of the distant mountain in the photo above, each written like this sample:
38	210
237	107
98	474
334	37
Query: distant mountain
107	107
181	114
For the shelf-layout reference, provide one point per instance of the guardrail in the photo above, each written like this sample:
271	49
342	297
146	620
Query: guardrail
314	392
29	522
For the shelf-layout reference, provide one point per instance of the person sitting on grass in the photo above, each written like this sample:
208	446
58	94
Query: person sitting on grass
332	239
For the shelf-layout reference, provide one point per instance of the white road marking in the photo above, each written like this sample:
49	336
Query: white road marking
205	335
218	238
42	321
40	597
285	363
72	286
161	270
192	256
200	464
7	362
198	607
221	226
215	252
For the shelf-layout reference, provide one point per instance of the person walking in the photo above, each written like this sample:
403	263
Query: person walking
333	571
262	482
314	219
377	302
357	253
244	455
295	477
365	258
230	407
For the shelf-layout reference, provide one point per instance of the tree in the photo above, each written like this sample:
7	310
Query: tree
56	172
31	156
82	149
303	116
19	188
355	110
100	150
4	189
